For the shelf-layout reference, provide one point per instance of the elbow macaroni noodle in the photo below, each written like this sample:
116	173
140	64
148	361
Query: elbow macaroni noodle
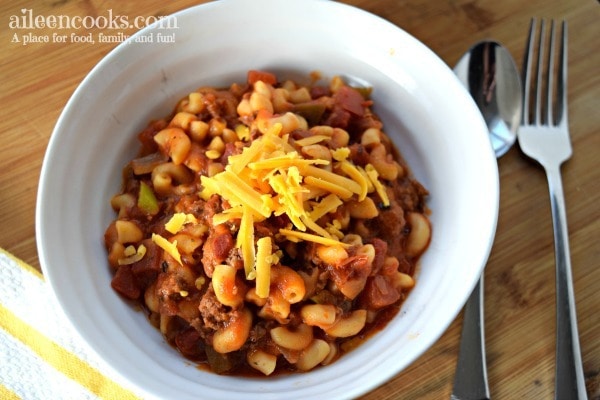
269	226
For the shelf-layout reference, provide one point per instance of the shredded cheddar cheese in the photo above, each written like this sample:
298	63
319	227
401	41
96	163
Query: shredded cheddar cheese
333	178
340	154
334	229
284	161
374	178
296	236
264	259
239	161
271	177
170	248
351	170
245	241
325	206
329	187
228	215
370	187
178	220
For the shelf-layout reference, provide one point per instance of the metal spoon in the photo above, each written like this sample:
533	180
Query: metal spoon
489	73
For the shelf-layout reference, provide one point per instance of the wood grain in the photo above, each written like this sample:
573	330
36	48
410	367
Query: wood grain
37	80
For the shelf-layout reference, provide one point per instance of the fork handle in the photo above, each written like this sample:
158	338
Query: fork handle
569	379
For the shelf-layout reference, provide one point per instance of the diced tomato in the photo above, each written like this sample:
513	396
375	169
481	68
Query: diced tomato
146	270
267	77
216	248
146	137
125	284
190	343
380	252
319	91
379	292
350	100
350	277
339	117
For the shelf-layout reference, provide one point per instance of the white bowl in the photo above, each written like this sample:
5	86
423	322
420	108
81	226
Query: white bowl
431	118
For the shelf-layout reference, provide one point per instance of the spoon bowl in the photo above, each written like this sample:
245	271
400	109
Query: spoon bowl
489	73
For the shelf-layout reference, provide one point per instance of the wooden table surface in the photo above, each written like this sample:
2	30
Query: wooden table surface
37	79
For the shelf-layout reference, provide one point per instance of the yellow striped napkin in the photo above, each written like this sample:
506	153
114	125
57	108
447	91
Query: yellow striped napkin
41	357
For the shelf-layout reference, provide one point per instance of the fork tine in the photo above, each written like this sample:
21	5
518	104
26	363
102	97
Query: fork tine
539	74
527	73
550	79
562	81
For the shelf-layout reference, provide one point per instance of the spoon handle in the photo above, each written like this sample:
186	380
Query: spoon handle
470	380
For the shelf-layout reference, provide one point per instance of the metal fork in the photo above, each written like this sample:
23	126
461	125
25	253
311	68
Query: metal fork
545	137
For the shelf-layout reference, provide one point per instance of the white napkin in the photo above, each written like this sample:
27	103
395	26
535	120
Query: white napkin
41	357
